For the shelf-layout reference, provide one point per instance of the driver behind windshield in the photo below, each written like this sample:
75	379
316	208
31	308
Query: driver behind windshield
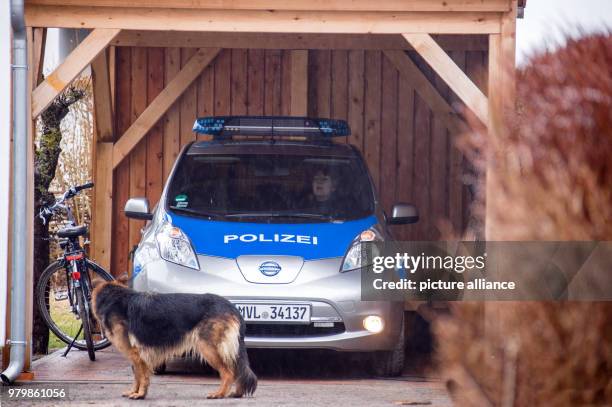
323	189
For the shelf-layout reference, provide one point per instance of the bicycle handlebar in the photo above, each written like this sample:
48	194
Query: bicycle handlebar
84	186
47	211
73	191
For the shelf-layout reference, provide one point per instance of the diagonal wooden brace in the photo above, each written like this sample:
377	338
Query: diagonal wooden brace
160	105
72	66
454	77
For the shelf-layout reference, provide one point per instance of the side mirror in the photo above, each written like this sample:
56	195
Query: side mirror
403	214
138	208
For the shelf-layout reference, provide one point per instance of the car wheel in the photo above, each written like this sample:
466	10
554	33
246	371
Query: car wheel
391	363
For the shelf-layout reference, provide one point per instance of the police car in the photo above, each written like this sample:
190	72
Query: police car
269	212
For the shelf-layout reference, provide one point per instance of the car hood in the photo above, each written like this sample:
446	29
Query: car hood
307	240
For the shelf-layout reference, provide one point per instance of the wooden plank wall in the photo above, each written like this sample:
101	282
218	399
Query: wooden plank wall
409	152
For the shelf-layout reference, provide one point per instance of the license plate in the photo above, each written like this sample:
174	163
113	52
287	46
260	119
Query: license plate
274	312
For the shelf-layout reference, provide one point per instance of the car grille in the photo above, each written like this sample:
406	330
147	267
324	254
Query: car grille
290	331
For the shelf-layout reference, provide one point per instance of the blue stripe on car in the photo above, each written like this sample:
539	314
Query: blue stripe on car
211	237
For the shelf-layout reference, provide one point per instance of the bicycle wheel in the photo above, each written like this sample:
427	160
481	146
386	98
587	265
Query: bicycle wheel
54	296
83	308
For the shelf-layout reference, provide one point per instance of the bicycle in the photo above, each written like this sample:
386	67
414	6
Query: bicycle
64	289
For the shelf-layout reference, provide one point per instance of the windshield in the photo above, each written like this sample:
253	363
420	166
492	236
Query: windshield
271	188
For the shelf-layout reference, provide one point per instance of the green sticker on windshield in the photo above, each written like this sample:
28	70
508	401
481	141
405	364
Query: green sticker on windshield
181	201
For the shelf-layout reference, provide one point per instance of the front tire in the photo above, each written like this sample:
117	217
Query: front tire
391	363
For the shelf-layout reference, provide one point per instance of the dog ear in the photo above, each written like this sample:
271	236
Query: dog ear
97	281
123	279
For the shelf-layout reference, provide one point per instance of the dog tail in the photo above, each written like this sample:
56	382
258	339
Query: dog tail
247	381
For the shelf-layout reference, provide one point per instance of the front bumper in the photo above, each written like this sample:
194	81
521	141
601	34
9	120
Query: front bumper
334	297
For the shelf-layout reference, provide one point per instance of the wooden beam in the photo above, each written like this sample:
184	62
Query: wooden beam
64	74
299	83
329	5
112	63
151	115
40	40
502	98
190	39
425	89
173	19
454	77
103	109
102	213
502	70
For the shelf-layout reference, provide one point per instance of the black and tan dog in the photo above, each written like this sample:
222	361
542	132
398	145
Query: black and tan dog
149	329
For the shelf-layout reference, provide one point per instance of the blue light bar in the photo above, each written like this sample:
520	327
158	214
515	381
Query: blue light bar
227	126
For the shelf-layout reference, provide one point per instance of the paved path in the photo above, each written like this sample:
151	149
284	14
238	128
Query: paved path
186	384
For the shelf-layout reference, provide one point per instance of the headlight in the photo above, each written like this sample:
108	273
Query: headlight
354	255
175	247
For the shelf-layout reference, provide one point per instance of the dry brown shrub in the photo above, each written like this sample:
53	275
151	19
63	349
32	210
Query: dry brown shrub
553	166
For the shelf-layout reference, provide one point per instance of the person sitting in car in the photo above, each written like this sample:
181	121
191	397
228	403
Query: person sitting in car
323	189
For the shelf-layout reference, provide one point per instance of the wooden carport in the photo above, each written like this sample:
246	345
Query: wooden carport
395	69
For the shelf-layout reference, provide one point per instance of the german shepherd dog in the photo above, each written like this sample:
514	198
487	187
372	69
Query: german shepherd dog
149	329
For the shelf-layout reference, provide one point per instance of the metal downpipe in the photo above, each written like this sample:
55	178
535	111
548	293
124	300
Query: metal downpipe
19	254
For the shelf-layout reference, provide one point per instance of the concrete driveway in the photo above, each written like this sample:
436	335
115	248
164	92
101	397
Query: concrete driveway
294	378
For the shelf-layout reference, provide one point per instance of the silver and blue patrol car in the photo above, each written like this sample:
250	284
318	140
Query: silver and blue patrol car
269	212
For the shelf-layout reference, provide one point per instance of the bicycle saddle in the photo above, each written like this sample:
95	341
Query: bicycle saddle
74	231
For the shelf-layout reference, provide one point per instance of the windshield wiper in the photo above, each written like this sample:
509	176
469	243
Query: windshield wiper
279	215
204	214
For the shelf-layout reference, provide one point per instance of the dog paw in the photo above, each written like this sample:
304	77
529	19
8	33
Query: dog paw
136	396
214	396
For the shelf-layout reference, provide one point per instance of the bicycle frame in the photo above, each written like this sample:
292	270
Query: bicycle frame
77	274
74	255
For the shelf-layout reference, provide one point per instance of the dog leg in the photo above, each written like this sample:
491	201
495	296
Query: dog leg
227	378
120	340
143	375
213	358
239	390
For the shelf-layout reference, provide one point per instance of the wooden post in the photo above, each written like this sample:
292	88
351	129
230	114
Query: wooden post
102	208
40	40
502	98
